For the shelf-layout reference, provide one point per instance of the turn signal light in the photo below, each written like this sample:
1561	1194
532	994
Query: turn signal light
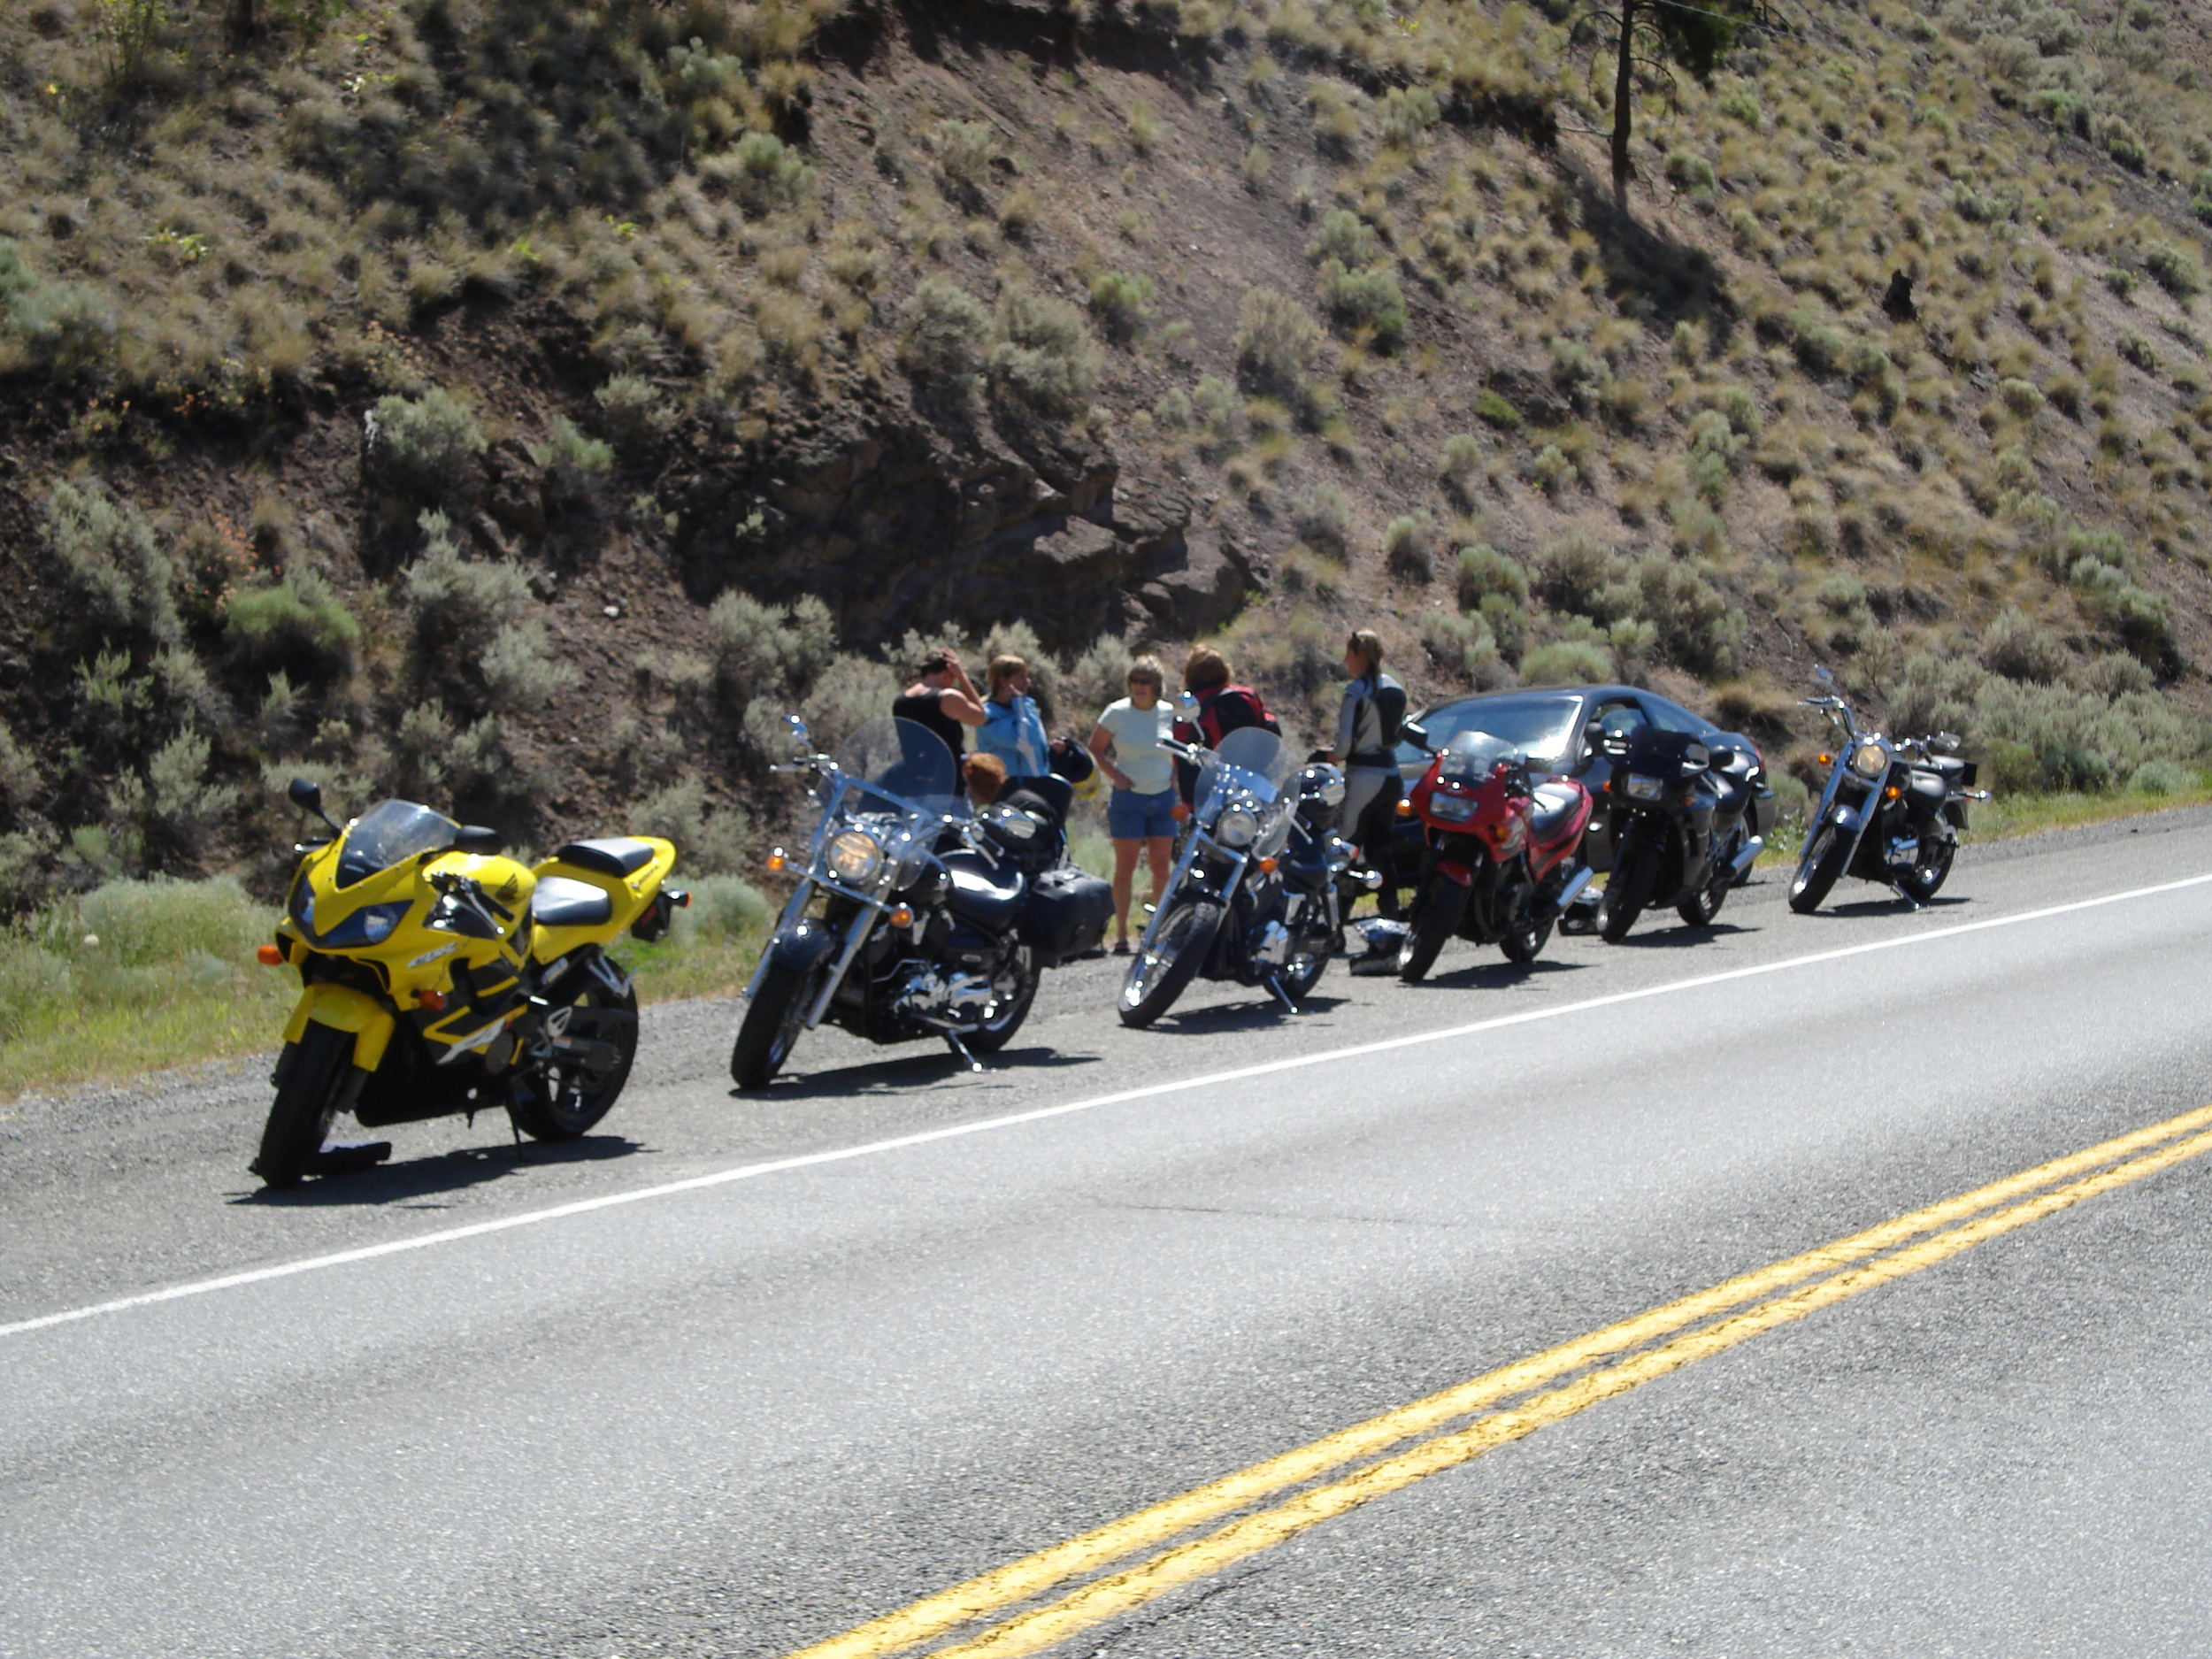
901	916
1827	760
1892	793
1405	808
1267	866
270	955
776	860
435	1001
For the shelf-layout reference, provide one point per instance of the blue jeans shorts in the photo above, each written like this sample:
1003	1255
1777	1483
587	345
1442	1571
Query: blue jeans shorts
1132	817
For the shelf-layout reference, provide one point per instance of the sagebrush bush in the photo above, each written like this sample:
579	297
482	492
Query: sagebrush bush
2014	646
770	653
454	604
1480	570
521	671
112	563
1408	544
1278	343
1122	304
1043	359
1323	520
424	448
1566	663
182	800
66	330
1364	300
576	467
1343	236
299	625
1097	677
946	332
708	841
849	692
1458	644
965	151
764	173
631	409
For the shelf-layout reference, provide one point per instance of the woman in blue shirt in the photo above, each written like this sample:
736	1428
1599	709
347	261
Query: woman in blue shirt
1012	729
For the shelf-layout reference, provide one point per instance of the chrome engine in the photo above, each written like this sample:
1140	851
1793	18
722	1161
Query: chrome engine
935	998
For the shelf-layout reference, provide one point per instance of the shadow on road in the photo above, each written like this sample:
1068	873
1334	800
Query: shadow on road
1484	975
1675	938
1219	1017
887	1076
1889	905
445	1172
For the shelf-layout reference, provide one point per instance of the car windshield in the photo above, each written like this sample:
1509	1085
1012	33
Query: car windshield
1542	726
900	758
389	831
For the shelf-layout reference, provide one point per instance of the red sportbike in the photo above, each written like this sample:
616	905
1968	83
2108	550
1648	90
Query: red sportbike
1503	856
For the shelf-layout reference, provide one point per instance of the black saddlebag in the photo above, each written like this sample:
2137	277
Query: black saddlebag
1065	915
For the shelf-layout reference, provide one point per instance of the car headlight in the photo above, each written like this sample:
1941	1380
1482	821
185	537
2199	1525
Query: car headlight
371	925
1452	808
1869	760
1237	827
1642	788
854	856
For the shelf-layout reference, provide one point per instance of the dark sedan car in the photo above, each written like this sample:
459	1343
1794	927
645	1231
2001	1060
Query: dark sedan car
1547	724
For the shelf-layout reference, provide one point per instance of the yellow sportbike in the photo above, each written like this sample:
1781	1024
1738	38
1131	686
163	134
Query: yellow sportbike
437	977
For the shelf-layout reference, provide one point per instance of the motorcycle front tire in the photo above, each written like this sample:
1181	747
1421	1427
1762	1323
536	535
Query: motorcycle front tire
772	1022
1700	907
565	1114
1627	890
1820	868
314	1071
1436	918
1525	945
1157	977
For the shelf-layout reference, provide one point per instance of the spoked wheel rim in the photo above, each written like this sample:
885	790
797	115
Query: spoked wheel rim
1011	994
1809	860
1147	962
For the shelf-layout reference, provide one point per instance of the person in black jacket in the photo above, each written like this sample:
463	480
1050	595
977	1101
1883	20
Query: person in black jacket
1367	725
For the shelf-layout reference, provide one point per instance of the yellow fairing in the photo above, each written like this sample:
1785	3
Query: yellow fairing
343	1007
627	896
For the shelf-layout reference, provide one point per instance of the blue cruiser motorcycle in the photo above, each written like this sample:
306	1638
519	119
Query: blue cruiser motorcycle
1890	812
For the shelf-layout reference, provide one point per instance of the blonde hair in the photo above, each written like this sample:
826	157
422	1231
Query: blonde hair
1366	645
1004	668
987	776
1148	670
1204	669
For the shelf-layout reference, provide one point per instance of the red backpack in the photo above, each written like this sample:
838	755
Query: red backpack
1216	722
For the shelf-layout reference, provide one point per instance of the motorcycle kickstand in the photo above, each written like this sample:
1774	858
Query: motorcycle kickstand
961	1048
1276	986
1911	903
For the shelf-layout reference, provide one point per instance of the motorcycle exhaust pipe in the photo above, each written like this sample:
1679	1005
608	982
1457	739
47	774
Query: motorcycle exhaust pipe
1567	894
1747	859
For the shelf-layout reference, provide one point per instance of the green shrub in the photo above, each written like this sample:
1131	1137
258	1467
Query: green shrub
770	652
631	409
19	779
965	151
1409	544
576	467
1458	644
724	908
2137	351
455	604
1122	304
2163	777
1460	461
300	624
66	328
2174	269
521	671
424	448
1408	112
1278	343
2015	647
708	842
107	554
1365	301
1566	663
1696	626
1099	676
1323	520
946	330
849	692
1043	359
1492	408
1343	236
1688	171
762	172
181	801
1482	571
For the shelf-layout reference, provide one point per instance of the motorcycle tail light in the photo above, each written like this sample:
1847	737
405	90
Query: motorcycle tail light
270	955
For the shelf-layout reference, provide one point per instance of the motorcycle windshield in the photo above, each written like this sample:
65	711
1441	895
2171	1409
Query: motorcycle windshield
908	764
388	832
1471	757
1252	758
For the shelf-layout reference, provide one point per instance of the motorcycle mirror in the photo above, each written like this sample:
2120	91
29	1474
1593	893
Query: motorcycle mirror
1948	740
1720	757
307	795
1414	732
479	840
799	736
1821	674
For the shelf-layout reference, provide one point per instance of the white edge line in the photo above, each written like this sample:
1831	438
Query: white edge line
777	1166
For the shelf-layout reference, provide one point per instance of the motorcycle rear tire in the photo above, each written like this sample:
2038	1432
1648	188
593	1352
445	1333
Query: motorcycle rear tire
1437	914
1627	890
1819	870
996	1033
772	1022
569	1113
1928	874
1179	950
314	1073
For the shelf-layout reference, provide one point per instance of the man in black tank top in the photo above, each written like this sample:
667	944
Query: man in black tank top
942	698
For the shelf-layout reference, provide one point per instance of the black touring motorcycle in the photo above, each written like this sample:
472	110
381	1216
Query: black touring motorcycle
1891	812
1678	817
931	923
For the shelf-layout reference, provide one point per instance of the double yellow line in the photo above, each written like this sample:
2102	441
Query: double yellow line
1284	1495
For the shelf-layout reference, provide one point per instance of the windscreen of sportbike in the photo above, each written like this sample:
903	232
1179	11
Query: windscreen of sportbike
389	832
1471	757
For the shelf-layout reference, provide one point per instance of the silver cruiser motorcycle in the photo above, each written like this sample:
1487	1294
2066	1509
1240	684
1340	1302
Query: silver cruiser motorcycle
1252	896
912	919
1891	810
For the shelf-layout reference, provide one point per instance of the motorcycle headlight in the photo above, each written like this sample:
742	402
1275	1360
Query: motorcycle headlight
1643	789
371	925
1869	760
1452	808
854	856
1237	827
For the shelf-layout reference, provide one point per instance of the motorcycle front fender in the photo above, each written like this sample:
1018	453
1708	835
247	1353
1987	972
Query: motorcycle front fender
343	1007
802	944
1846	818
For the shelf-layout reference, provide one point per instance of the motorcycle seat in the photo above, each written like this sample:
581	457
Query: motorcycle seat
1551	808
989	898
616	855
558	902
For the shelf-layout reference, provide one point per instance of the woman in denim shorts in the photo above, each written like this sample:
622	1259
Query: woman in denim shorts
1141	811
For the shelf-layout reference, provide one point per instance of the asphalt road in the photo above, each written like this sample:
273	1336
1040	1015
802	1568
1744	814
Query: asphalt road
746	1416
